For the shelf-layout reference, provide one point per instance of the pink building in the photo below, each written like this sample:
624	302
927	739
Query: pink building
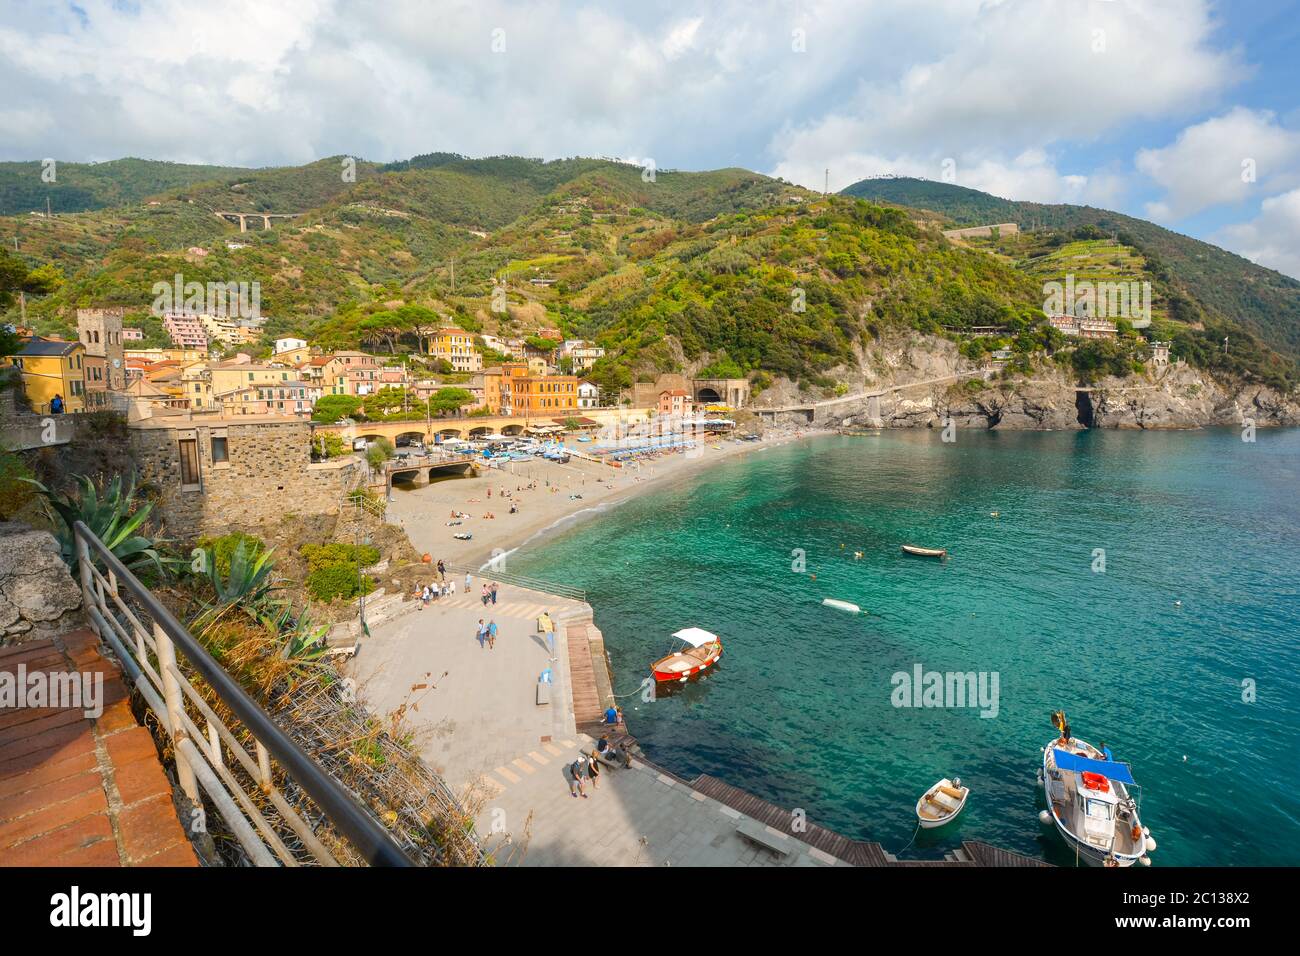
186	330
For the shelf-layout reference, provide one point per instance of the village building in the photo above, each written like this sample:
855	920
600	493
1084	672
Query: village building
675	401
212	473
50	368
526	394
100	331
456	347
588	394
186	331
1083	327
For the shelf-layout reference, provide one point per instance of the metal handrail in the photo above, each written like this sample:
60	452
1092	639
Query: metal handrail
371	841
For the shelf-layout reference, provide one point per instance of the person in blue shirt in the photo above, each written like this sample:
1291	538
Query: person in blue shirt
56	405
492	635
1105	751
611	715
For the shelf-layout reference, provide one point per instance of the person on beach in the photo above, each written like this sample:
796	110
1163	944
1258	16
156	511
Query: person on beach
481	633
484	596
424	597
492	635
493	591
442	570
469	582
451	586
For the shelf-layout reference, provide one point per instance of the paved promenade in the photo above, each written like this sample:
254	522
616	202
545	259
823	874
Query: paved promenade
476	707
483	730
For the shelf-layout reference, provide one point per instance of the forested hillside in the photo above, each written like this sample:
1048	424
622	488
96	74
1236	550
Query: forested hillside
726	271
1201	281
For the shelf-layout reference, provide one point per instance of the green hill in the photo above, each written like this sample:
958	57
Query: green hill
1203	284
79	187
727	269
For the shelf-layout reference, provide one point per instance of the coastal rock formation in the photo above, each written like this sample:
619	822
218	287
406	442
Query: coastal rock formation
38	598
1051	398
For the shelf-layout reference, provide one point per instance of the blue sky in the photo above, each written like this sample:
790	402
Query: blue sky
1182	111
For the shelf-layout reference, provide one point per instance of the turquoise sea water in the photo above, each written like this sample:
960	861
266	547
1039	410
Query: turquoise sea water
799	711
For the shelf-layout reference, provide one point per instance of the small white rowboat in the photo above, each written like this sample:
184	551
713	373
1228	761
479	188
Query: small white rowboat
941	803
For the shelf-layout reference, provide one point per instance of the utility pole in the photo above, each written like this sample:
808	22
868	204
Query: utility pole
826	191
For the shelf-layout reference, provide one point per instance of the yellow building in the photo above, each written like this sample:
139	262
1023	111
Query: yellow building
50	367
166	355
456	346
230	376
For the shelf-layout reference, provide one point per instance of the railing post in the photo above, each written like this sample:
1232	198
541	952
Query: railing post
175	702
83	565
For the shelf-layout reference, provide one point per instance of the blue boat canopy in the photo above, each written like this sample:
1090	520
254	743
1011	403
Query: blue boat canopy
1107	768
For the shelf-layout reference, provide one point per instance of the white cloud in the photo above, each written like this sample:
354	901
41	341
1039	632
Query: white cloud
1009	80
1273	237
988	83
1226	159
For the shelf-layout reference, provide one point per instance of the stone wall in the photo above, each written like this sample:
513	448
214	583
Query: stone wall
268	474
38	598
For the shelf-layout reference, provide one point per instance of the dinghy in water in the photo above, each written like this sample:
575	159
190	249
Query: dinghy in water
842	605
941	803
925	552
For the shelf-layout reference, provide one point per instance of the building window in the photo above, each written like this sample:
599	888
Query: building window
189	448
220	450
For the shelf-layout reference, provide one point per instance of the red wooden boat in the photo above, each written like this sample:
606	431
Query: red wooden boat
701	652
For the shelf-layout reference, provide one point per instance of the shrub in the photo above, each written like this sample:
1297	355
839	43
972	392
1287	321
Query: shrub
323	555
223	547
338	580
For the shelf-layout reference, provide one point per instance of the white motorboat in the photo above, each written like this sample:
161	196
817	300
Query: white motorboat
941	803
1090	803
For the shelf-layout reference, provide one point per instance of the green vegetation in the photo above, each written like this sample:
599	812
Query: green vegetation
112	515
331	408
335	570
378	452
221	549
1199	282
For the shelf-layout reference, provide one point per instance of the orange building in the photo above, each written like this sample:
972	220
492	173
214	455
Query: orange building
522	393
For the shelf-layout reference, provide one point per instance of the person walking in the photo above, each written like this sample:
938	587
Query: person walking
442	570
493	591
484	596
492	635
469	582
593	771
481	633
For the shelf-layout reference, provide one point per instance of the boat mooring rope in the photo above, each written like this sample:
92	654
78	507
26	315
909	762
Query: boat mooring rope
909	842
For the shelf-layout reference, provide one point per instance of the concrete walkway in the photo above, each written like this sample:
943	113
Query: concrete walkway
636	817
476	706
481	728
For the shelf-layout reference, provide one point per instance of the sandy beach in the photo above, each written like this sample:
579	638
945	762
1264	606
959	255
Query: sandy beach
546	493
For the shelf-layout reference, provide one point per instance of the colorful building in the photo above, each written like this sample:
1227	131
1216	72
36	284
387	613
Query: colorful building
49	368
525	394
456	347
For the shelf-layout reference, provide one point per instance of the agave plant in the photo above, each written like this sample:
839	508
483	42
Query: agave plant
248	584
108	514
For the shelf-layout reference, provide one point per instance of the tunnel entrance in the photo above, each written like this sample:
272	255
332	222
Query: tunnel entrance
1083	403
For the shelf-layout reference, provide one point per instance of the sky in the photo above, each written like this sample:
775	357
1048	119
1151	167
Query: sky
1185	112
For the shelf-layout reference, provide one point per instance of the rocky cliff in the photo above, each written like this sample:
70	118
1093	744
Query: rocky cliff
950	387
